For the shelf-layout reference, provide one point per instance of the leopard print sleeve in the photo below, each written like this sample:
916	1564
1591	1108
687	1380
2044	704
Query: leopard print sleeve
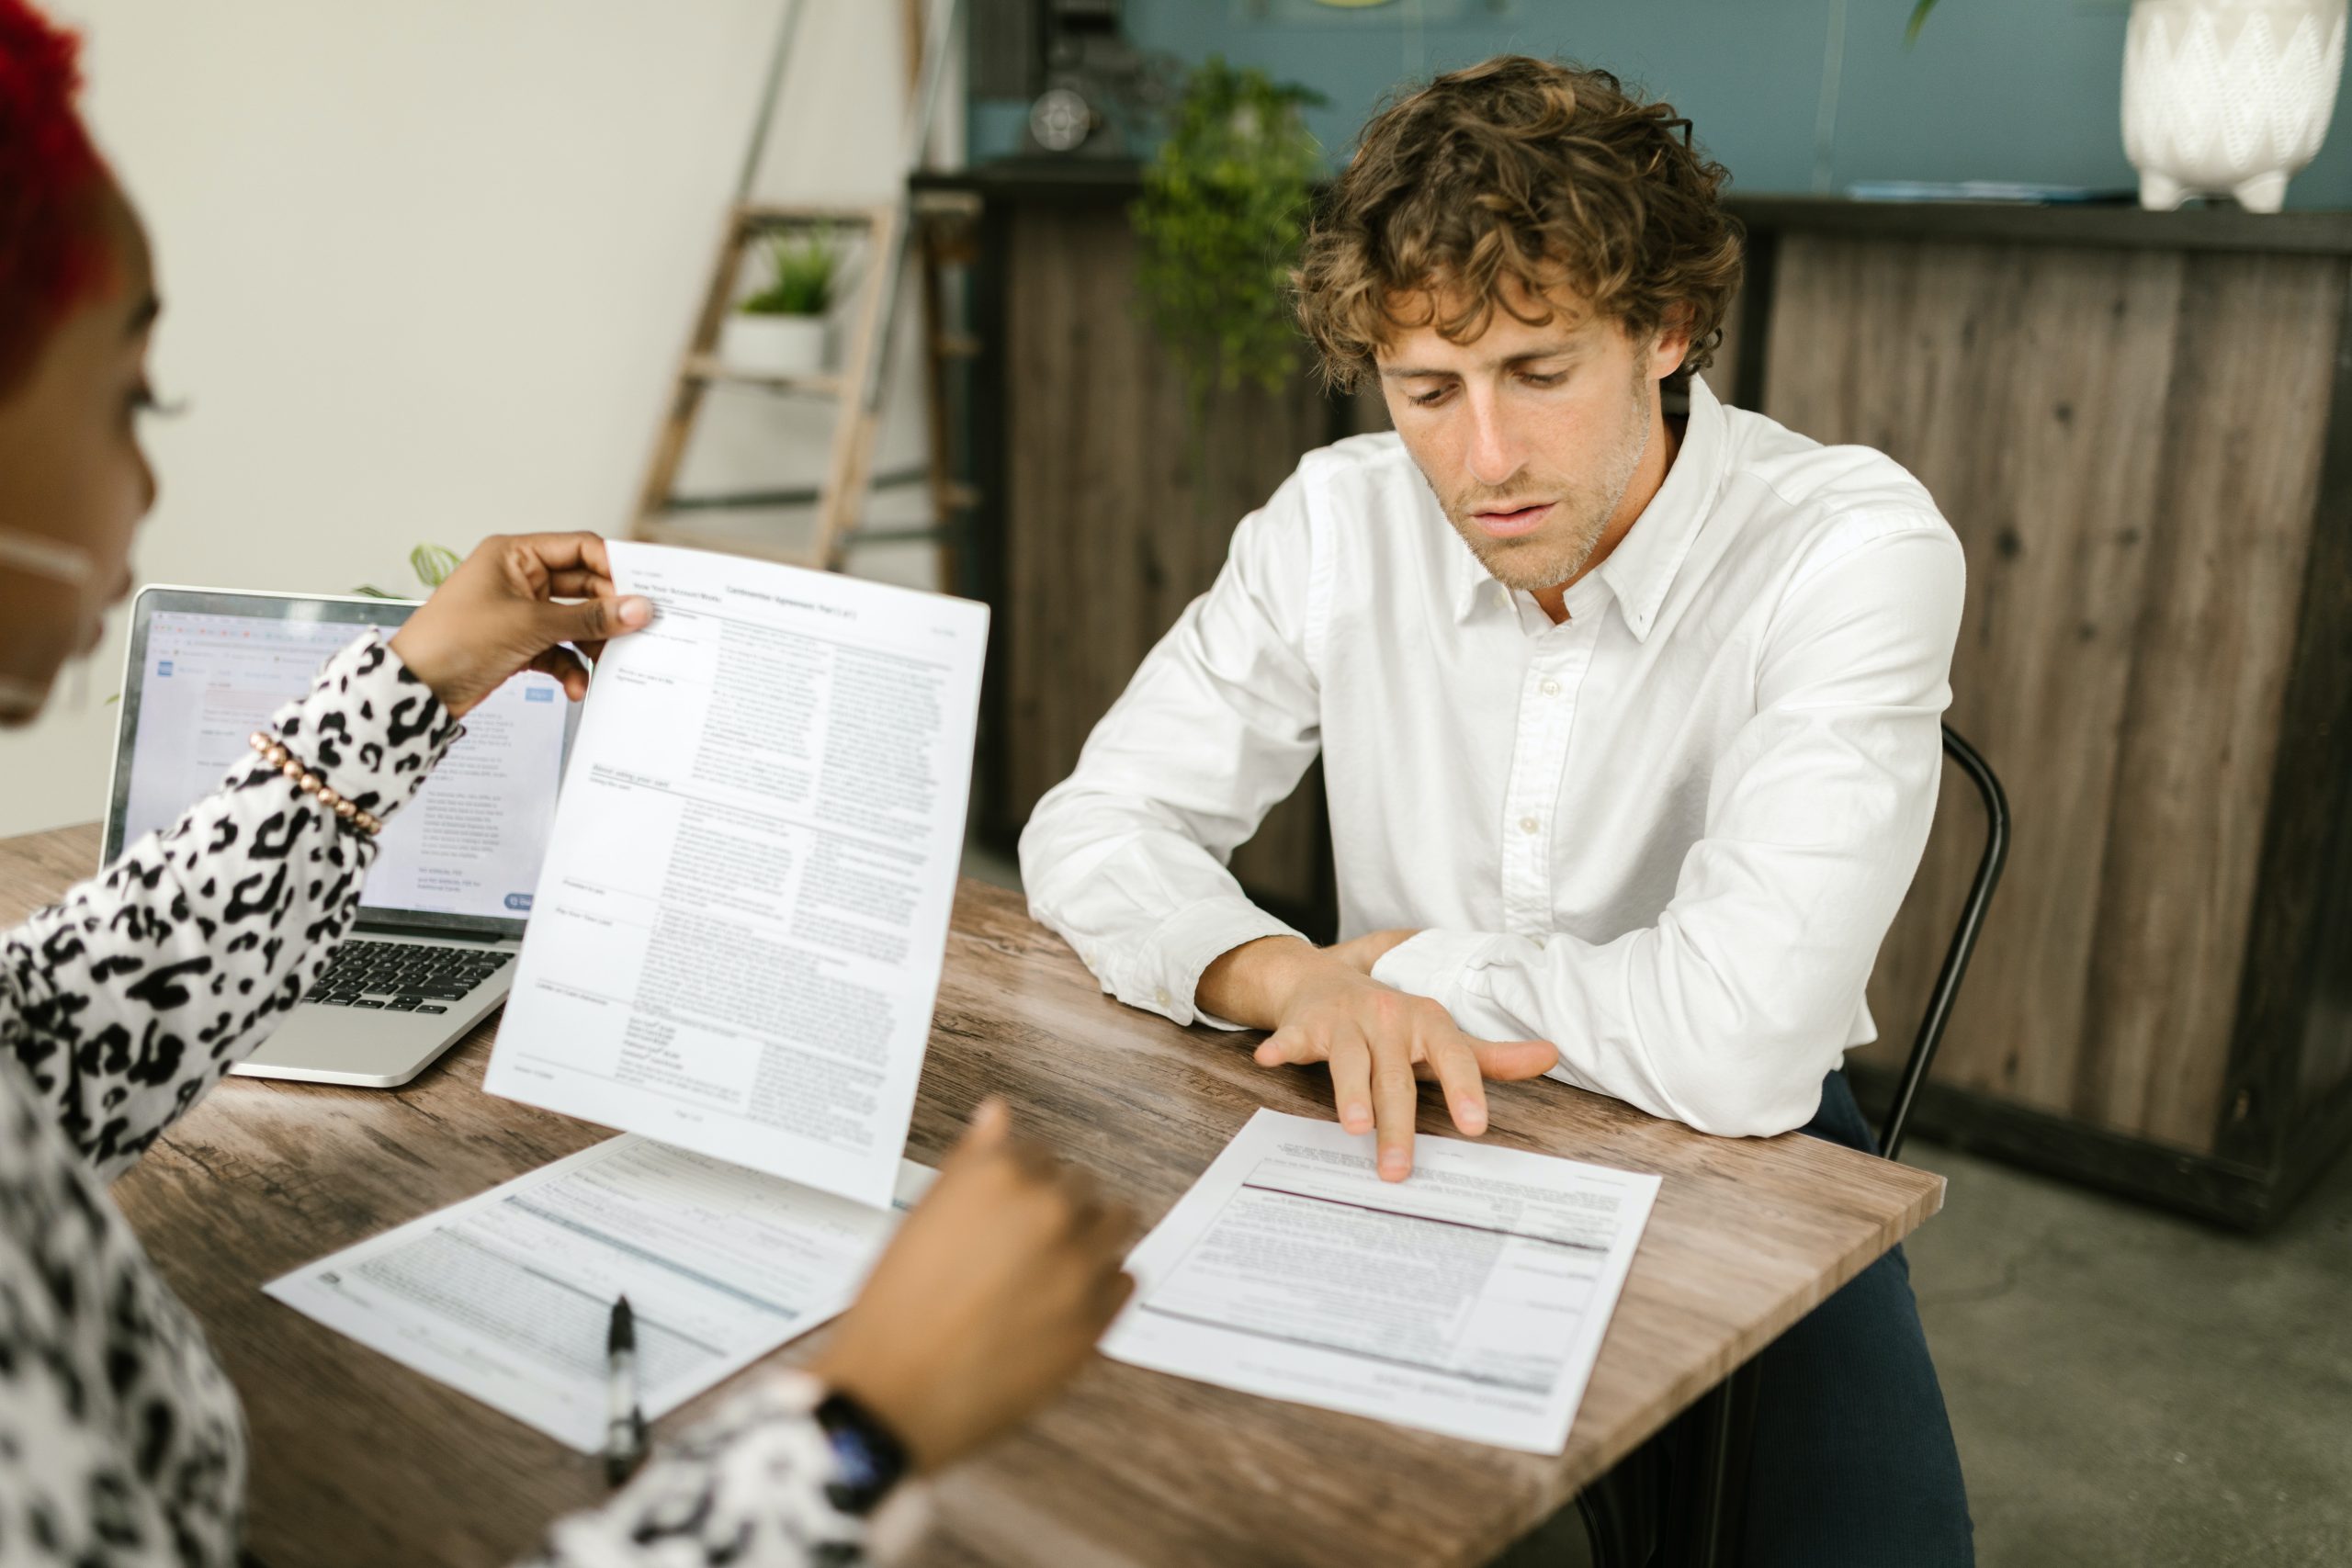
752	1487
135	994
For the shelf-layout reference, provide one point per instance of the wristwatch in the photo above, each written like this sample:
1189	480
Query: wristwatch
868	1458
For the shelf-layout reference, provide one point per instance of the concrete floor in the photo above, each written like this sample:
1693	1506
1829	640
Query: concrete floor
2131	1388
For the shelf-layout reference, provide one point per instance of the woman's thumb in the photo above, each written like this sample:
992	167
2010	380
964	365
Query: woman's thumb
598	620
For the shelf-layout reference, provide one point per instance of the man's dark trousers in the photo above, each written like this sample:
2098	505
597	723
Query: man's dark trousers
1854	1466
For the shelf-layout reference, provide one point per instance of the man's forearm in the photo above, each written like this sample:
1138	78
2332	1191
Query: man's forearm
1253	984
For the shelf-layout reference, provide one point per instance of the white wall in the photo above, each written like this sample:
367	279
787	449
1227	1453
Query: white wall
428	267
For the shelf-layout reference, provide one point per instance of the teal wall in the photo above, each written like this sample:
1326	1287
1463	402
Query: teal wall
1994	89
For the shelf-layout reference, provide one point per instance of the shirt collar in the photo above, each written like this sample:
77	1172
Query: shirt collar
1642	567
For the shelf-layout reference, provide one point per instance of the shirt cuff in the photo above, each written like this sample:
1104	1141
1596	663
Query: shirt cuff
370	729
1432	965
1187	942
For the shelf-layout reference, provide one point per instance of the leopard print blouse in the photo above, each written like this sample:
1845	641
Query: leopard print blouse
120	1441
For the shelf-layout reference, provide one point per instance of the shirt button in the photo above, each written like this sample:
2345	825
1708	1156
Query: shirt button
1551	688
1160	996
1529	824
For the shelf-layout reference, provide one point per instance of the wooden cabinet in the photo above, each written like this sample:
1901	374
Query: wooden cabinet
1110	513
2138	424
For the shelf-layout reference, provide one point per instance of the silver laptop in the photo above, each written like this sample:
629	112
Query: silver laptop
441	914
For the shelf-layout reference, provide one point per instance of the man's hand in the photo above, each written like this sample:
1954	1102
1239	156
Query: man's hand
1323	1006
1360	954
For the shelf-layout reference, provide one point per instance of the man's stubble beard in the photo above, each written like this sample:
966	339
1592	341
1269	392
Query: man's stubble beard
1557	552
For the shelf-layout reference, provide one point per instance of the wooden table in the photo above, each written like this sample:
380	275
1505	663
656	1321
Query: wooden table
358	1461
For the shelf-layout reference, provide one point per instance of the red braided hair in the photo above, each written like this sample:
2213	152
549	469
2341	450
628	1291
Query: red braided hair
50	248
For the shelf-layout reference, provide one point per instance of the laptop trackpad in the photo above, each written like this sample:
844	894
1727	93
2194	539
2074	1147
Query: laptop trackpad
357	1045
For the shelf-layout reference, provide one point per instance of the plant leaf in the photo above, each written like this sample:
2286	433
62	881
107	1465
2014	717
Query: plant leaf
1918	20
1219	226
802	277
433	564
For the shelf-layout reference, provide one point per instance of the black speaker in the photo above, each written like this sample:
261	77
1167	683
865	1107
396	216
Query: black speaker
1008	48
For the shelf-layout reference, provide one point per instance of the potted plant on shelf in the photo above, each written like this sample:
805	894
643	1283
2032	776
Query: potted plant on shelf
1223	212
784	329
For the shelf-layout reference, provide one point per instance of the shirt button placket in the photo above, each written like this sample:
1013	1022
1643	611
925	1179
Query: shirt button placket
1537	753
1547	719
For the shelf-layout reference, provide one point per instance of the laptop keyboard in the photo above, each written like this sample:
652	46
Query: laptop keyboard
404	976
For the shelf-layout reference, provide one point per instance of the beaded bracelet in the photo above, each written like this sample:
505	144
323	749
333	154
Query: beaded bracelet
308	782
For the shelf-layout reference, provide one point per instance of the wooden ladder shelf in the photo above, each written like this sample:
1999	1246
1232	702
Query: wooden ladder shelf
848	466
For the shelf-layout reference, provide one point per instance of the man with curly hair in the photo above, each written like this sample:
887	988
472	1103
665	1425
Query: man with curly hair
1628	705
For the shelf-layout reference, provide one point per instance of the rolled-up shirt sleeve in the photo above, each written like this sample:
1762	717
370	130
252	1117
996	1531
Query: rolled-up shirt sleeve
1729	1011
1127	858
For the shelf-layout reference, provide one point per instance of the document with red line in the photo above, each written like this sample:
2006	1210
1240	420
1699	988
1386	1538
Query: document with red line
1470	1299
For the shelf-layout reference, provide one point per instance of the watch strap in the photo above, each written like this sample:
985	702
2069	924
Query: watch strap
868	1458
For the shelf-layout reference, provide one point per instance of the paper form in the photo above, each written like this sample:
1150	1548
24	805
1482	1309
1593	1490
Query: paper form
1470	1299
506	1297
736	936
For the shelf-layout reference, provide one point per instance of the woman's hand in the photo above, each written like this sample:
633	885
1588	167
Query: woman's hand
997	1287
497	614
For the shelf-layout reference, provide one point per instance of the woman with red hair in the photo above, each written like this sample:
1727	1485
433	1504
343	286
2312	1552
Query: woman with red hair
119	1439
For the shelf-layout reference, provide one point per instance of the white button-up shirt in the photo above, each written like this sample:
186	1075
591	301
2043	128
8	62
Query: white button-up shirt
1667	834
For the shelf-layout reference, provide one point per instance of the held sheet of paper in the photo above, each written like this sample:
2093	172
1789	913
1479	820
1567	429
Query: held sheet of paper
1470	1299
738	932
507	1296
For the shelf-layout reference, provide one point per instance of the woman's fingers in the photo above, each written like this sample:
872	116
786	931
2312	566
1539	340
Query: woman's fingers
595	620
1110	1296
990	1126
565	666
584	583
552	553
579	582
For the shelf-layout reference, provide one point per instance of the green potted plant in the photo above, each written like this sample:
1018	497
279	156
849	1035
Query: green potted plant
1223	212
785	328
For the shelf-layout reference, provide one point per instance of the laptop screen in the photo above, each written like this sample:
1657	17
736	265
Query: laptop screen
207	669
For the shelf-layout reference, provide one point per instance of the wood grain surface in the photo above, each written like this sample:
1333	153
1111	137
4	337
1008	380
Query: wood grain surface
1119	511
2128	443
359	1461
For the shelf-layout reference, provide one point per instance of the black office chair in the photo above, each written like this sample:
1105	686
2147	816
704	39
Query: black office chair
1622	1510
1963	939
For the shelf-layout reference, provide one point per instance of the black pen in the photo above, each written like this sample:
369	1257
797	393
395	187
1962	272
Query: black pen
625	1419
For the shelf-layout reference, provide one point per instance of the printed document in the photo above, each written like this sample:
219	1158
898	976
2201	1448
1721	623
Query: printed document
1469	1298
736	940
507	1297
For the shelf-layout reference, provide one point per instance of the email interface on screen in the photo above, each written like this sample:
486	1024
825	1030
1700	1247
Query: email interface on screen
469	843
